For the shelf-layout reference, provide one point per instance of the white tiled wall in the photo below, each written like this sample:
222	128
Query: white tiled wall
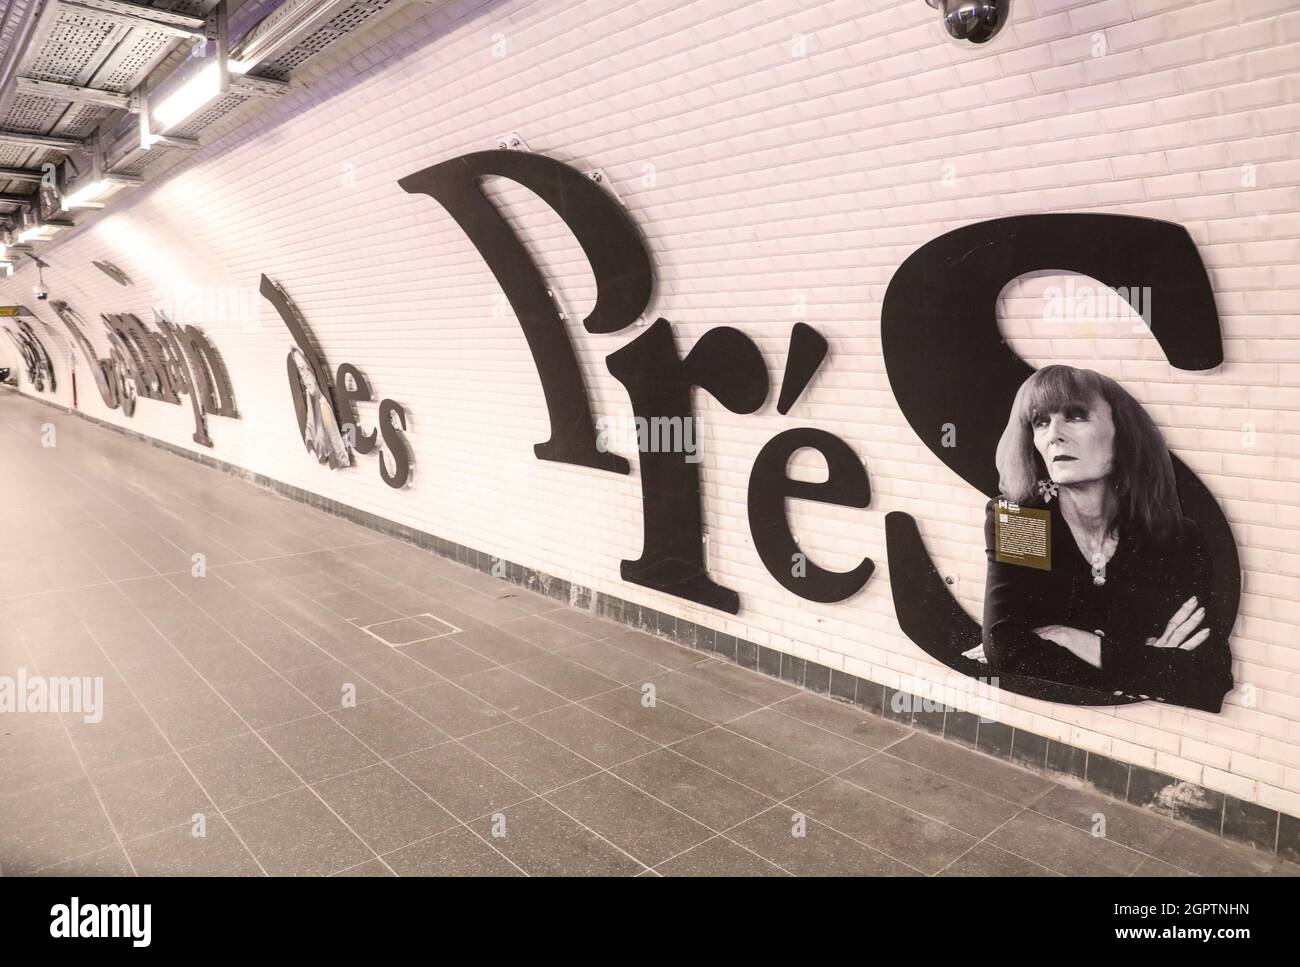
781	158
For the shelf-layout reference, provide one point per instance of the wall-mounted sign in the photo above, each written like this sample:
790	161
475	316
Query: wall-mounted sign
161	365
1118	637
327	408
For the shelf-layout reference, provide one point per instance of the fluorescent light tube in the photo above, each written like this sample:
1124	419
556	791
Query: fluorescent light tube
88	194
194	95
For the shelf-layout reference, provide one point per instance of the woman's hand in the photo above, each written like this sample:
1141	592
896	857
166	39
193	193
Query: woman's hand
1082	644
1185	620
976	653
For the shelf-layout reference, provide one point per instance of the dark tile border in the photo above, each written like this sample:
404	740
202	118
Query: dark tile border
1266	829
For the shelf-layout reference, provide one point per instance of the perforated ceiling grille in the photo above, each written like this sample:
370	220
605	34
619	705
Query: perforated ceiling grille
132	58
80	121
341	24
214	112
12	154
73	45
34	114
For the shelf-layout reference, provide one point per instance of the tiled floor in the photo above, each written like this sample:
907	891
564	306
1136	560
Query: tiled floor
328	701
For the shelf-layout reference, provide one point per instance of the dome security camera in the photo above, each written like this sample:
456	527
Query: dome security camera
975	20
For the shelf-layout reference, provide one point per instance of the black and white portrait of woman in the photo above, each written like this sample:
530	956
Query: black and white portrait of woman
1127	605
320	430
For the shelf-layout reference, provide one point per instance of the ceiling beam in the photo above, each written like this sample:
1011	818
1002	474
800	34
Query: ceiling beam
31	140
20	174
138	15
70	92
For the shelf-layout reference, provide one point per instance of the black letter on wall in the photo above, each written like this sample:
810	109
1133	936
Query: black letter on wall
612	246
769	487
947	362
726	363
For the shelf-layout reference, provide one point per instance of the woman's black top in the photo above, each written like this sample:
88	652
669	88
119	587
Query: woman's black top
1144	586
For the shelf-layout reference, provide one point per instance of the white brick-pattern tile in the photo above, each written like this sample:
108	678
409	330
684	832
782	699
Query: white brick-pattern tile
781	159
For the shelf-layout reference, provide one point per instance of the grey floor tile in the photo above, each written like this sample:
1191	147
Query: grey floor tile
392	671
384	808
1206	855
701	793
285	650
657	650
446	657
660	722
1154	867
762	769
266	701
36	757
457	852
922	843
718	857
125	735
590	736
1064	848
460	781
985	859
564	677
452	709
369	868
799	740
805	847
700	698
844	720
225	664
511	693
947	800
239	770
635	822
50	825
317	748
1126	825
195	716
622	666
972	768
542	841
332	686
294	834
583	621
402	631
496	644
740	681
529	757
151	795
179	852
102	863
388	727
543	632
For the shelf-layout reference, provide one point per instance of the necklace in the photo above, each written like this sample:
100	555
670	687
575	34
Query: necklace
1098	569
1098	559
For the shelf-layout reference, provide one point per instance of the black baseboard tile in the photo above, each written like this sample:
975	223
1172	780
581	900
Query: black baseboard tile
1250	823
1029	749
994	738
961	727
1177	798
817	678
1109	775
